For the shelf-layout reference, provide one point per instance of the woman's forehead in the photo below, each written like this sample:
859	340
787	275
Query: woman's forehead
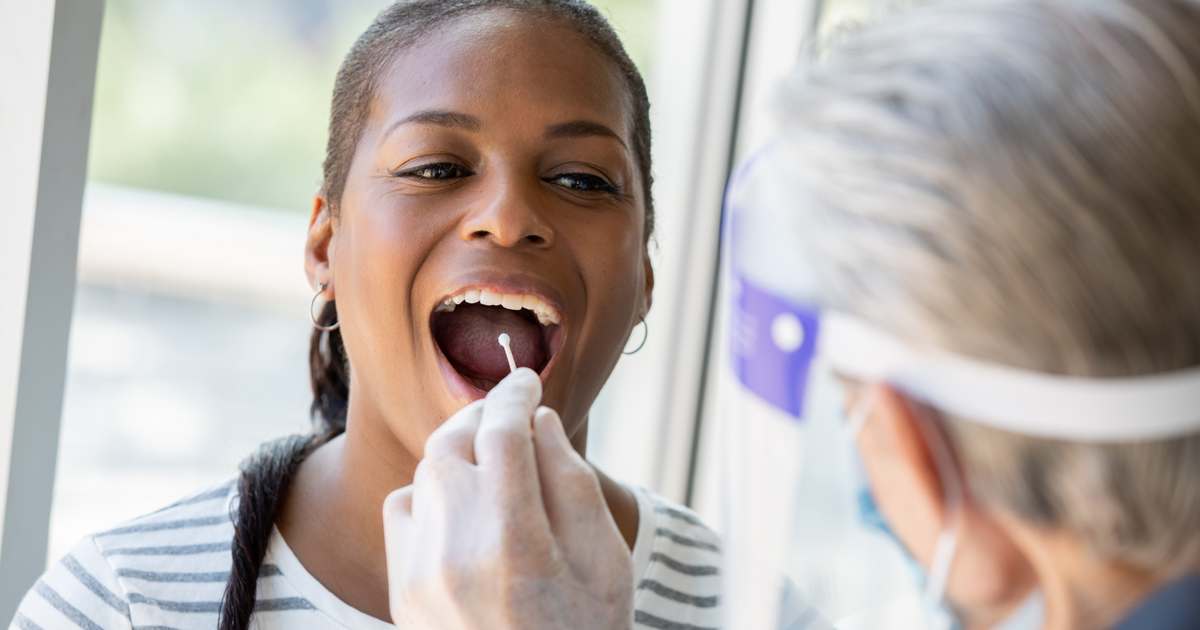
502	67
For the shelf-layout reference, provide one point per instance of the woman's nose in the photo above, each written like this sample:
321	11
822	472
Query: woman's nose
509	218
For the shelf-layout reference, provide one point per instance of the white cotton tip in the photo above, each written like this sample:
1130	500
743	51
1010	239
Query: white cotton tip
504	341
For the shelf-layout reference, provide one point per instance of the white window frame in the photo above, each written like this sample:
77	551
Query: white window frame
48	54
778	32
705	116
654	397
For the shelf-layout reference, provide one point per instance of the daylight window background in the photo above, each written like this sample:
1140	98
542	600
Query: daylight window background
190	335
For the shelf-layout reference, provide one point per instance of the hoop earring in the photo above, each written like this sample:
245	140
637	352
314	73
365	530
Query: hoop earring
645	336
320	290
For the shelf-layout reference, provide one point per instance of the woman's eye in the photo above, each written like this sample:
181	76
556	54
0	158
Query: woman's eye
583	181
439	170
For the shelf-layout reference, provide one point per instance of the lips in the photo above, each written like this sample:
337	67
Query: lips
466	327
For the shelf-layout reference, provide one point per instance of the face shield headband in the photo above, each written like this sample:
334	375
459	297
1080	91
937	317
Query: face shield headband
800	334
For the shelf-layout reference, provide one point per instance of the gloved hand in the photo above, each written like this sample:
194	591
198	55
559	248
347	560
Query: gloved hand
505	526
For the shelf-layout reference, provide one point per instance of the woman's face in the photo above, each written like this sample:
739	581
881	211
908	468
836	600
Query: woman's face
496	166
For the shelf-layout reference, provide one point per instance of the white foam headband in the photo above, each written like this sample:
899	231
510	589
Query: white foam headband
1021	401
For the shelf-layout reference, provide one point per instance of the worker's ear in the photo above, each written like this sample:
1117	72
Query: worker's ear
990	576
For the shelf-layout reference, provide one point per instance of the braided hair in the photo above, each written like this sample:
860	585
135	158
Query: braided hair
267	475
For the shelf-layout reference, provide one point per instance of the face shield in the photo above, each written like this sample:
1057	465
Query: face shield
805	547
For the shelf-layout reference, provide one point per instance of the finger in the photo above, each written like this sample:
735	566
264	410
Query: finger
456	437
503	441
554	450
398	537
397	529
443	489
429	490
571	491
397	508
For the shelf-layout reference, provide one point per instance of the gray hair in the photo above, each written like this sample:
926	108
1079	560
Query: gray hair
1019	181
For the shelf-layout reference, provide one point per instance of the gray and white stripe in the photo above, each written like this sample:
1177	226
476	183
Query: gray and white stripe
167	571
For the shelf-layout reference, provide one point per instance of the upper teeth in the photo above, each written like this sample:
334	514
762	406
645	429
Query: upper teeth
546	314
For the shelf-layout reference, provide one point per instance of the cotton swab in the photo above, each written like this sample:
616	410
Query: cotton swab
512	364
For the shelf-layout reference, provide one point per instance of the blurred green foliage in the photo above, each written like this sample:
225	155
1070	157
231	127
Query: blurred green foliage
229	99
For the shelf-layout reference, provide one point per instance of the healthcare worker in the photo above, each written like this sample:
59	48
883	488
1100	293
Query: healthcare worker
991	212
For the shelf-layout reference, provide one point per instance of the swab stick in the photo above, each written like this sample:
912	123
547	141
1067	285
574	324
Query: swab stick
512	365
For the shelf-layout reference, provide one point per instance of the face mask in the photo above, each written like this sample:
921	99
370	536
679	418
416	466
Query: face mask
934	612
932	586
1030	614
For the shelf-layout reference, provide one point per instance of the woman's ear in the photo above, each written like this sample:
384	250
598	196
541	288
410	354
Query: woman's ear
316	247
990	576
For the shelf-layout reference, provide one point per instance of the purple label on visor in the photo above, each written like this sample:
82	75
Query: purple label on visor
774	342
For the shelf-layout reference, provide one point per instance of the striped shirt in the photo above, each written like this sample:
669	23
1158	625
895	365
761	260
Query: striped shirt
167	570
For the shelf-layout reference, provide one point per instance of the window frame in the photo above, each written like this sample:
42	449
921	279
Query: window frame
48	51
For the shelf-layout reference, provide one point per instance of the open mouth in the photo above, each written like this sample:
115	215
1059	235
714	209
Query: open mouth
466	328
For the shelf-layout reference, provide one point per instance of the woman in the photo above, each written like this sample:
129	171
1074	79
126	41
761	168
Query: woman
488	171
1007	191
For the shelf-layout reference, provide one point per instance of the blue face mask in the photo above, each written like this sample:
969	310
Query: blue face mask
1029	615
868	513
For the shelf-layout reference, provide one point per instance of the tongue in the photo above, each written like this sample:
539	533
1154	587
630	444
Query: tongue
468	338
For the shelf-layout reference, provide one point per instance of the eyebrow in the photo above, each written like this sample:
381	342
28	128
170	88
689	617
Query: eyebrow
581	129
440	118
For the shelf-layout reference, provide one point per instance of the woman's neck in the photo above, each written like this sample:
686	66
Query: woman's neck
332	519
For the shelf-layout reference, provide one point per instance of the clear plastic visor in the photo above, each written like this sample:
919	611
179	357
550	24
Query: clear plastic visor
805	547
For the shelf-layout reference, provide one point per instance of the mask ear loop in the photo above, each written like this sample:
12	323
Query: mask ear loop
861	411
954	497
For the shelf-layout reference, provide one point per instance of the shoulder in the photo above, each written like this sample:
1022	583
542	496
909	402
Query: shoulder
1174	606
676	562
193	526
167	562
81	590
678	524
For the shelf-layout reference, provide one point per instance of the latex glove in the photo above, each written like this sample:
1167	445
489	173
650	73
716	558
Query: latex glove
504	527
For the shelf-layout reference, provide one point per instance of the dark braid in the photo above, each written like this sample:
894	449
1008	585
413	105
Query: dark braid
267	475
327	370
